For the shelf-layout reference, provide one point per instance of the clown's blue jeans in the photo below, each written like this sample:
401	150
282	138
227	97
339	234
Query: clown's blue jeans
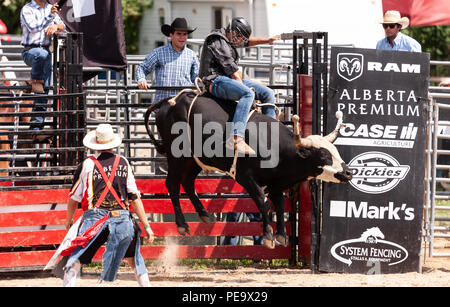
121	234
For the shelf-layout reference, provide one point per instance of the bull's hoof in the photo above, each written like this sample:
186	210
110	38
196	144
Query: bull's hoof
183	230
205	219
281	240
269	243
268	239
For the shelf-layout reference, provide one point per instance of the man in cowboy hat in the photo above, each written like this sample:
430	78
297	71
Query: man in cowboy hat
104	185
174	63
395	40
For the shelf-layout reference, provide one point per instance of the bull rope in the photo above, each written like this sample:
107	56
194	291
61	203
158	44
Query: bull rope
199	91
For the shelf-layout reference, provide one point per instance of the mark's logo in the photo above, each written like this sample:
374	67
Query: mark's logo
376	172
350	65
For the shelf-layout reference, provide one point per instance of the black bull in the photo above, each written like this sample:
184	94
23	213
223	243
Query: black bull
282	158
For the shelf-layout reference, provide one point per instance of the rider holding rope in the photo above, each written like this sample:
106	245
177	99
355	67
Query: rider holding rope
220	73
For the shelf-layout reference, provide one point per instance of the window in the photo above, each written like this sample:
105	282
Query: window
222	17
161	16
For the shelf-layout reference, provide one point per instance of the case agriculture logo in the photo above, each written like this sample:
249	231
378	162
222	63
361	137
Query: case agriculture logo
350	65
369	247
376	172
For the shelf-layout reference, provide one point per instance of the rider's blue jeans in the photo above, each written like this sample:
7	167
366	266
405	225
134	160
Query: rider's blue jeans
40	60
230	89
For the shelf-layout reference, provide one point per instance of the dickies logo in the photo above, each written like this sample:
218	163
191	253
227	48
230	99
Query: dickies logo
350	65
376	172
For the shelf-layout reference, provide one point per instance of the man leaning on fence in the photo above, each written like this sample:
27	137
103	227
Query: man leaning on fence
39	21
174	64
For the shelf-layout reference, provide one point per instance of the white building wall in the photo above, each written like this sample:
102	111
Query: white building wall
260	22
150	31
346	21
199	14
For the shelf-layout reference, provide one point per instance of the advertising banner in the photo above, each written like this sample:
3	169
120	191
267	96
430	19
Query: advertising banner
101	23
373	224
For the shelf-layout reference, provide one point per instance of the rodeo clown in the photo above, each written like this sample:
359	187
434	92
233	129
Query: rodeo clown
104	184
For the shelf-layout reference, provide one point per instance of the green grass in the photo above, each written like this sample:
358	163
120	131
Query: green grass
441	213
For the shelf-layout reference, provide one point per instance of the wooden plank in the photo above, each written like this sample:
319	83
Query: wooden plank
220	252
215	205
212	252
35	218
40	258
57	217
12	198
214	229
224	185
31	238
48	237
25	259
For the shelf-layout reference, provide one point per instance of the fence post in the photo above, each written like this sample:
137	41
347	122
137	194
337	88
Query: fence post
69	79
304	219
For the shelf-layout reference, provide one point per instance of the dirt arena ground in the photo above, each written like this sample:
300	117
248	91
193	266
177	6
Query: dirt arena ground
168	273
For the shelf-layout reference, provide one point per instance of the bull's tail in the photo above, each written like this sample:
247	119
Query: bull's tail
157	143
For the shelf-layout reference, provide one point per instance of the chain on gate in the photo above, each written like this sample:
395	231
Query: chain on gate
16	127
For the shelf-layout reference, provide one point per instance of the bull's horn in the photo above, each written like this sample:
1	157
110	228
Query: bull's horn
298	141
296	121
333	135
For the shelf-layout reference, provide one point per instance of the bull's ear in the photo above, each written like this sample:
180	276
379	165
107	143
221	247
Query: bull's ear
333	135
299	141
303	152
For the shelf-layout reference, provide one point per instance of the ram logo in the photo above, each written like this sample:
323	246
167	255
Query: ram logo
350	65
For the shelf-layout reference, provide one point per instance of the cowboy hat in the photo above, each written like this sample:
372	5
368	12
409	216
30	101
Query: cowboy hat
394	17
102	138
179	24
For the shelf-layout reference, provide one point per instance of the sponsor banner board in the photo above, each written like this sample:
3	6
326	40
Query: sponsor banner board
373	224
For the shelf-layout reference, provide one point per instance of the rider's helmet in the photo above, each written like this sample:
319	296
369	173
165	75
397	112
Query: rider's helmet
240	31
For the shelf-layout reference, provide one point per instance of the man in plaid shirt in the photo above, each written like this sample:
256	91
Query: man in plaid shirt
39	21
174	64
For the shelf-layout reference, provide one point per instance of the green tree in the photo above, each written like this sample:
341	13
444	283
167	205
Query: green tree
131	10
10	14
132	14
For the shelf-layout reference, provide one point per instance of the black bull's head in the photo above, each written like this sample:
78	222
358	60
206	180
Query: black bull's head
299	159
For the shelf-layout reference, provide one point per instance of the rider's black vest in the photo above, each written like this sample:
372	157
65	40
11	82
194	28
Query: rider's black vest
210	68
